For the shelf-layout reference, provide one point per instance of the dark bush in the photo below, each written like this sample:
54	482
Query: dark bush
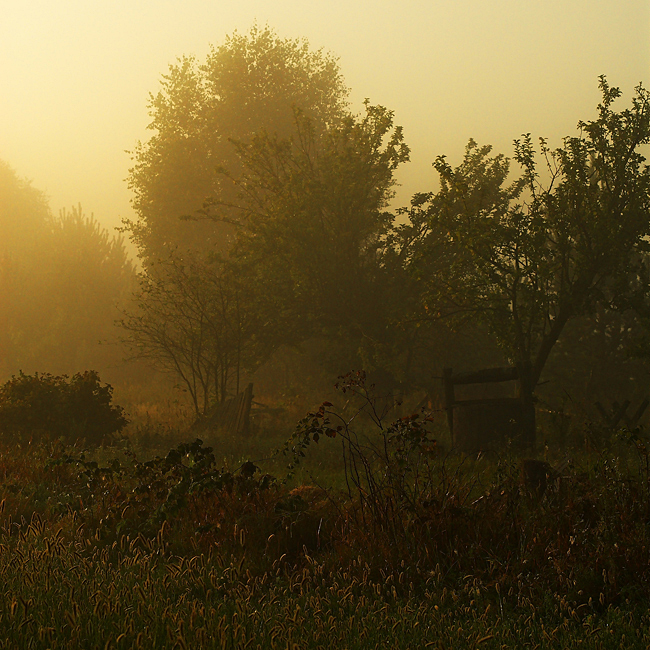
39	406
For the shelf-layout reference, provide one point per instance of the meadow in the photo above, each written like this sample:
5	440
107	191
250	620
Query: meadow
359	529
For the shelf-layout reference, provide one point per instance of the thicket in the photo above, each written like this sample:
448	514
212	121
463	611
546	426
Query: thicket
70	409
263	223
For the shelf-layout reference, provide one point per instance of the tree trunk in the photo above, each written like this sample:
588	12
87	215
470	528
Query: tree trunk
547	345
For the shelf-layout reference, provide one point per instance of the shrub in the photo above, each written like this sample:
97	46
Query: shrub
57	407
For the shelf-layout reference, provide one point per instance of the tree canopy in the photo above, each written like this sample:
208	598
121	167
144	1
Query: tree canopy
257	170
298	183
528	256
312	216
251	83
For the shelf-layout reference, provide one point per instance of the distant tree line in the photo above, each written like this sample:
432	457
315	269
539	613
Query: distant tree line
263	226
63	282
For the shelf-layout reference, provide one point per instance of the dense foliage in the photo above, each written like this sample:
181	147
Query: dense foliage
529	257
285	190
298	187
253	82
33	407
179	550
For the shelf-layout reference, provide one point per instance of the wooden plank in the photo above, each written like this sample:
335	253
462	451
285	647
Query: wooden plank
242	425
486	376
231	416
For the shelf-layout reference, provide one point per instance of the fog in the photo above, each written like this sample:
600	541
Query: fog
231	230
76	75
77	79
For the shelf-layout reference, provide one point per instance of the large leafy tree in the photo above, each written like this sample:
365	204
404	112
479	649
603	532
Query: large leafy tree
311	219
284	189
529	256
253	82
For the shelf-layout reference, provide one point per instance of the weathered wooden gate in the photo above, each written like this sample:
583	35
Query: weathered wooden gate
481	424
231	417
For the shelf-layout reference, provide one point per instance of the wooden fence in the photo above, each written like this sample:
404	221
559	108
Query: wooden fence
231	417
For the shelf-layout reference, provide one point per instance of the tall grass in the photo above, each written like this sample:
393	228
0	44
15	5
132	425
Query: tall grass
70	593
415	547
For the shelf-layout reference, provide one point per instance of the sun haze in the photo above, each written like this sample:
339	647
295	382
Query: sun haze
76	75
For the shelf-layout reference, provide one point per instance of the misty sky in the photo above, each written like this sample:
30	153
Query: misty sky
75	75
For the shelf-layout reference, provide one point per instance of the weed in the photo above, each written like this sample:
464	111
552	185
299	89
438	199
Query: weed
420	547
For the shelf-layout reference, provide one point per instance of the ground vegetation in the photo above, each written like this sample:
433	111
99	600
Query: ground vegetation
414	546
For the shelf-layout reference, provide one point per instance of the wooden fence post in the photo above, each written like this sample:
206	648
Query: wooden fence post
448	388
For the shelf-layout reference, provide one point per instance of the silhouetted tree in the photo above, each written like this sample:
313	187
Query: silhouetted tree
200	320
311	218
529	257
271	157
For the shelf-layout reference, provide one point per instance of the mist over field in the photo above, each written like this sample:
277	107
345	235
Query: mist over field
261	162
324	325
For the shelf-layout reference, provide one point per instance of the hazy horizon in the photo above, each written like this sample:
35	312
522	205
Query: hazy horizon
76	75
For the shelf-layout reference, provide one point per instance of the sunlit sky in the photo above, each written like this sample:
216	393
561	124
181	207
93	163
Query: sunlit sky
75	75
